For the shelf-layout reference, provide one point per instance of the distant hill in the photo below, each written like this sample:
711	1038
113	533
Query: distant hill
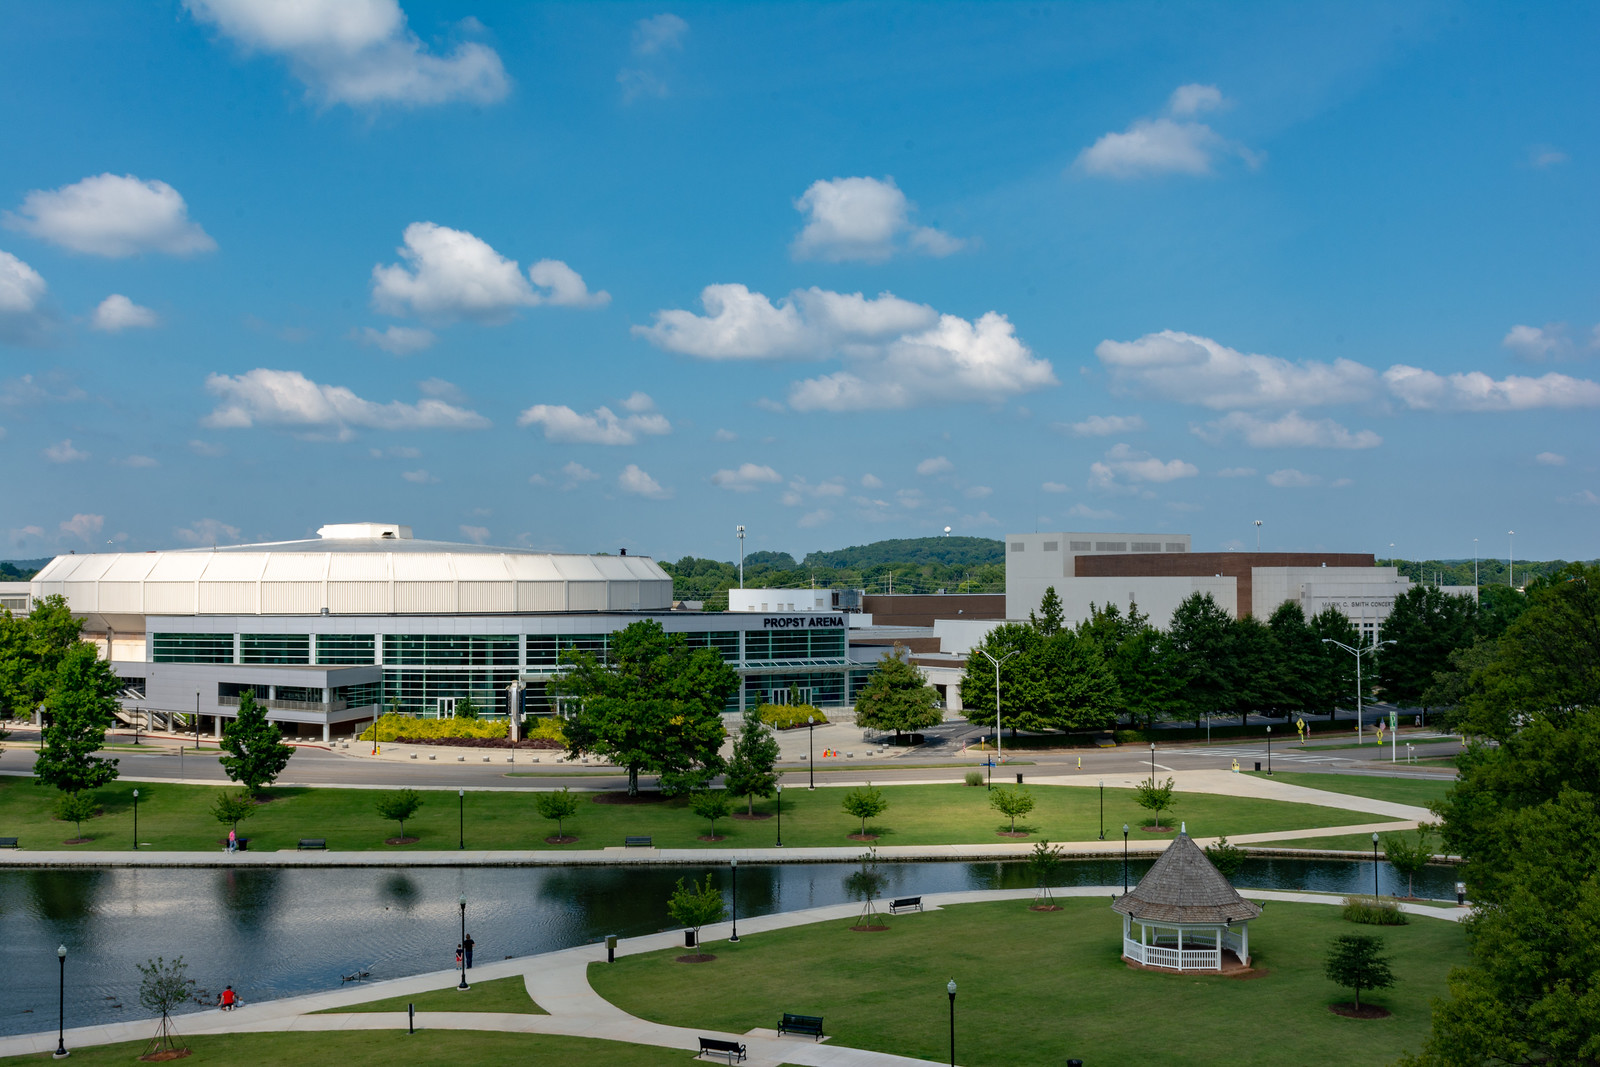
945	551
20	570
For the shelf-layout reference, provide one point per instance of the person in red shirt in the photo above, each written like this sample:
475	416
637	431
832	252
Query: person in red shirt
228	1000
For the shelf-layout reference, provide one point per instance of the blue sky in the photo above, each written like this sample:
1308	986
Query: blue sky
593	276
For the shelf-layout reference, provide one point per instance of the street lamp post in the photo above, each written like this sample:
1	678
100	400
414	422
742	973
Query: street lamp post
462	985
1357	653
1374	866
197	720
1474	570
780	816
733	866
1269	750
136	820
811	749
1511	558
61	1010
951	989
1102	809
1124	859
997	663
461	819
1152	765
739	532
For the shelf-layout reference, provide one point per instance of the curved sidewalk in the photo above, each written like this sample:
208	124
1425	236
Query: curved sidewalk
559	983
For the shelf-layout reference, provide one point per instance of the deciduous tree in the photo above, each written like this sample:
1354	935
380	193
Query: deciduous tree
865	803
1011	803
1357	962
231	809
1199	655
557	805
711	805
1050	615
897	697
78	711
254	750
694	906
399	806
752	768
1154	797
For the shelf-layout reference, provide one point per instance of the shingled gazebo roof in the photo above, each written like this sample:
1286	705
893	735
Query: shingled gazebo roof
1184	887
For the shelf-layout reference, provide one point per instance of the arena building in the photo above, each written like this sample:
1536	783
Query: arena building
332	631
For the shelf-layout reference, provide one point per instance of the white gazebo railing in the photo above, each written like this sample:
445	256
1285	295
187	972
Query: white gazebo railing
1179	948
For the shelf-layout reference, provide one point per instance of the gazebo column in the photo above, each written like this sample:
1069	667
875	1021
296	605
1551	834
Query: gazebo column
1244	947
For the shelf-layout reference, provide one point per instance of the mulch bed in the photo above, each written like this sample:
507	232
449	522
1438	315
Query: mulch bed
711	837
401	840
1044	907
869	929
1158	829
863	837
747	817
163	1057
567	840
1012	833
624	798
1365	1011
697	957
77	841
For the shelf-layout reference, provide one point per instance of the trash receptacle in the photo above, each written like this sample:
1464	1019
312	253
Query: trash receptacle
243	844
688	939
1461	893
1074	1063
1019	777
1258	766
611	948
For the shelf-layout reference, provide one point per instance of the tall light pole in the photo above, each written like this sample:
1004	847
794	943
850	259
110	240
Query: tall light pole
1124	859
1474	570
461	819
1153	767
811	749
462	951
1258	535
61	1011
1102	809
1357	653
739	532
1511	558
733	866
136	820
780	816
951	989
1269	750
997	663
197	720
1374	866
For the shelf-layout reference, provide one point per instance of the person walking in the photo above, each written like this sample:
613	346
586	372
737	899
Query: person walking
233	840
467	946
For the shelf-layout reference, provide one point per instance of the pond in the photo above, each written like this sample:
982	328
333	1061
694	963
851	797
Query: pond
280	932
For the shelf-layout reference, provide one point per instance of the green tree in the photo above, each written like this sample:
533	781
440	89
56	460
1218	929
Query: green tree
1134	651
1199	656
557	805
1057	683
865	803
1048	620
711	805
1335	681
1045	866
655	706
694	906
254	750
1408	856
1022	692
752	768
897	697
164	988
1300	658
1255	679
1356	961
1426	626
466	708
1011	803
31	652
1227	859
867	883
74	808
399	806
78	711
231	809
1154	798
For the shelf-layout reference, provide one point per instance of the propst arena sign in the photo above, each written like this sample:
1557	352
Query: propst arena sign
803	622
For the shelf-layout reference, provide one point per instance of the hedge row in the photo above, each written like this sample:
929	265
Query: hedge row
788	716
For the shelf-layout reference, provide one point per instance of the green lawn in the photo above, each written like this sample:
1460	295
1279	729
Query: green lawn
1347	842
1418	791
381	1048
1039	988
177	817
499	994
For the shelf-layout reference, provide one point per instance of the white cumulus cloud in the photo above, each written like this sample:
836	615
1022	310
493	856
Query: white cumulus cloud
397	340
1538	343
599	427
207	532
117	313
452	274
111	215
1055	487
1550	459
871	481
636	481
87	527
654	39
1237	472
1476	391
358	52
288	398
64	452
419	477
576	474
1292	430
1105	425
865	219
22	293
1166	144
658	33
1289	478
478	535
814	518
1124	464
747	478
1197	370
1192	99
807	324
935	465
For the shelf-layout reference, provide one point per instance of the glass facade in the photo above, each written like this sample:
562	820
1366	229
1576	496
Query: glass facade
726	642
336	650
275	648
544	650
822	690
450	650
778	646
419	691
356	696
191	648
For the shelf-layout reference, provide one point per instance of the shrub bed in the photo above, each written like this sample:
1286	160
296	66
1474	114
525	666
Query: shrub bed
393	727
789	716
1373	913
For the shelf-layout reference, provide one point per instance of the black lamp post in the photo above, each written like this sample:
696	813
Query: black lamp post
197	720
462	985
61	1013
1269	751
1374	866
811	749
951	989
780	816
1152	764
136	820
1124	859
1102	809
461	818
136	726
733	865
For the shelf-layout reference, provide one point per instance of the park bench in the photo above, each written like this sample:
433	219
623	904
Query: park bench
637	842
9	842
801	1024
312	843
731	1049
899	904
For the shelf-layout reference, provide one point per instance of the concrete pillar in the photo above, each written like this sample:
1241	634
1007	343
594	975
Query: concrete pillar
325	737
216	725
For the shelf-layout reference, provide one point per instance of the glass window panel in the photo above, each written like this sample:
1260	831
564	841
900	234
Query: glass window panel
275	648
346	649
192	648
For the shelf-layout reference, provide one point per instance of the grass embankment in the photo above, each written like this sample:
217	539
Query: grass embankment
380	1048
1039	988
499	994
177	817
1361	843
1419	792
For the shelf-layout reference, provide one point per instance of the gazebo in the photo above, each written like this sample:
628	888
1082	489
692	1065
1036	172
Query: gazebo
1188	914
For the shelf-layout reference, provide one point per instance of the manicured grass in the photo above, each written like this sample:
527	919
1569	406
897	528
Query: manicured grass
1040	988
1418	791
380	1048
499	994
1346	842
178	817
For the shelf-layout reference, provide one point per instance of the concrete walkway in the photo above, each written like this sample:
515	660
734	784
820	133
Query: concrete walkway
559	983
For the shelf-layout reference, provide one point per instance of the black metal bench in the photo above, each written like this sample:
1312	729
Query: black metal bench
9	842
801	1024
731	1049
312	843
638	842
899	904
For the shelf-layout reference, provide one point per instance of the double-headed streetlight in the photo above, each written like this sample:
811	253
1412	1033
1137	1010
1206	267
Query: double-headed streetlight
997	663
1357	653
61	1011
951	989
462	951
733	867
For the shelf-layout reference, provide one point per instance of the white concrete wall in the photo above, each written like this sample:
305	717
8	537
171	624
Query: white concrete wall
958	636
770	600
1157	597
1036	561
